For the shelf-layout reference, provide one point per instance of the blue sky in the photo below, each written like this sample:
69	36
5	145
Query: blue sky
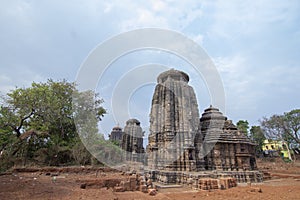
254	45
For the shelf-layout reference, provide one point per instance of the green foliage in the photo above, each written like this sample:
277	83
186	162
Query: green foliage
243	126
258	137
6	138
273	126
106	151
80	154
117	143
292	126
37	123
284	127
6	147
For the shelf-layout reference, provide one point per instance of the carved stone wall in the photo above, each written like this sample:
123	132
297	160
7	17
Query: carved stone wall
174	123
132	141
183	148
116	135
225	146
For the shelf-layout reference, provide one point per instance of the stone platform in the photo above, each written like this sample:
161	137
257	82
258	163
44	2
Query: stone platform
204	180
164	186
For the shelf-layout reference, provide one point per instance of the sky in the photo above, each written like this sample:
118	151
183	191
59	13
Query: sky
255	46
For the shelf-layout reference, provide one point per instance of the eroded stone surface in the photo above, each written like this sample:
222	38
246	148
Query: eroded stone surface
132	141
180	143
225	147
183	148
174	122
116	135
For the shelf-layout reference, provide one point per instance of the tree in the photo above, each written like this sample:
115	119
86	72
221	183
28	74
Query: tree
273	127
277	128
243	126
40	118
283	127
257	136
6	145
6	137
42	107
292	125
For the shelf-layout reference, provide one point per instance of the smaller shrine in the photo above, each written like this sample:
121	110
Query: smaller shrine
132	141
226	147
116	135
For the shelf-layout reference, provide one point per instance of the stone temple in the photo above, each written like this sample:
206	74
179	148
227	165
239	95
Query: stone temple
181	144
184	147
174	123
132	141
116	135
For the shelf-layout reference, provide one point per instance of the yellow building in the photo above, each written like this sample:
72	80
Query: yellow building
276	148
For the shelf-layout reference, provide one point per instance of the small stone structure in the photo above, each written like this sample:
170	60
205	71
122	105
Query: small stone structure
132	141
136	182
227	149
116	135
221	183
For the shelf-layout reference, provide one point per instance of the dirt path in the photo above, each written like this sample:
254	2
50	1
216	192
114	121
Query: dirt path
284	185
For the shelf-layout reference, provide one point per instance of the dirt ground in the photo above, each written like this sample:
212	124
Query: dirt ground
66	185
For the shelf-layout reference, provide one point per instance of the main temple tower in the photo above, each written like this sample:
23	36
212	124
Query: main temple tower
174	124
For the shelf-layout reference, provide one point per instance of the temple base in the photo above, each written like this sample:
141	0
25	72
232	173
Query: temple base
197	180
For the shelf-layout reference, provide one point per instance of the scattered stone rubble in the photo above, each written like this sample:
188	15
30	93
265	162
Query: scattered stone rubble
136	183
208	184
141	183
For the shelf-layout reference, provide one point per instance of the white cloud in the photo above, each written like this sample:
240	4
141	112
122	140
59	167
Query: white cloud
5	83
158	5
4	78
240	87
232	66
253	89
144	18
18	79
198	38
232	18
164	14
107	7
51	38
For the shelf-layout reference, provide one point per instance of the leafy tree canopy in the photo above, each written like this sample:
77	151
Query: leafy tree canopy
283	127
243	126
257	136
38	121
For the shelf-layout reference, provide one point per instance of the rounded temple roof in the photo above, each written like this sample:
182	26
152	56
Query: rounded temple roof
174	74
133	121
117	128
212	113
